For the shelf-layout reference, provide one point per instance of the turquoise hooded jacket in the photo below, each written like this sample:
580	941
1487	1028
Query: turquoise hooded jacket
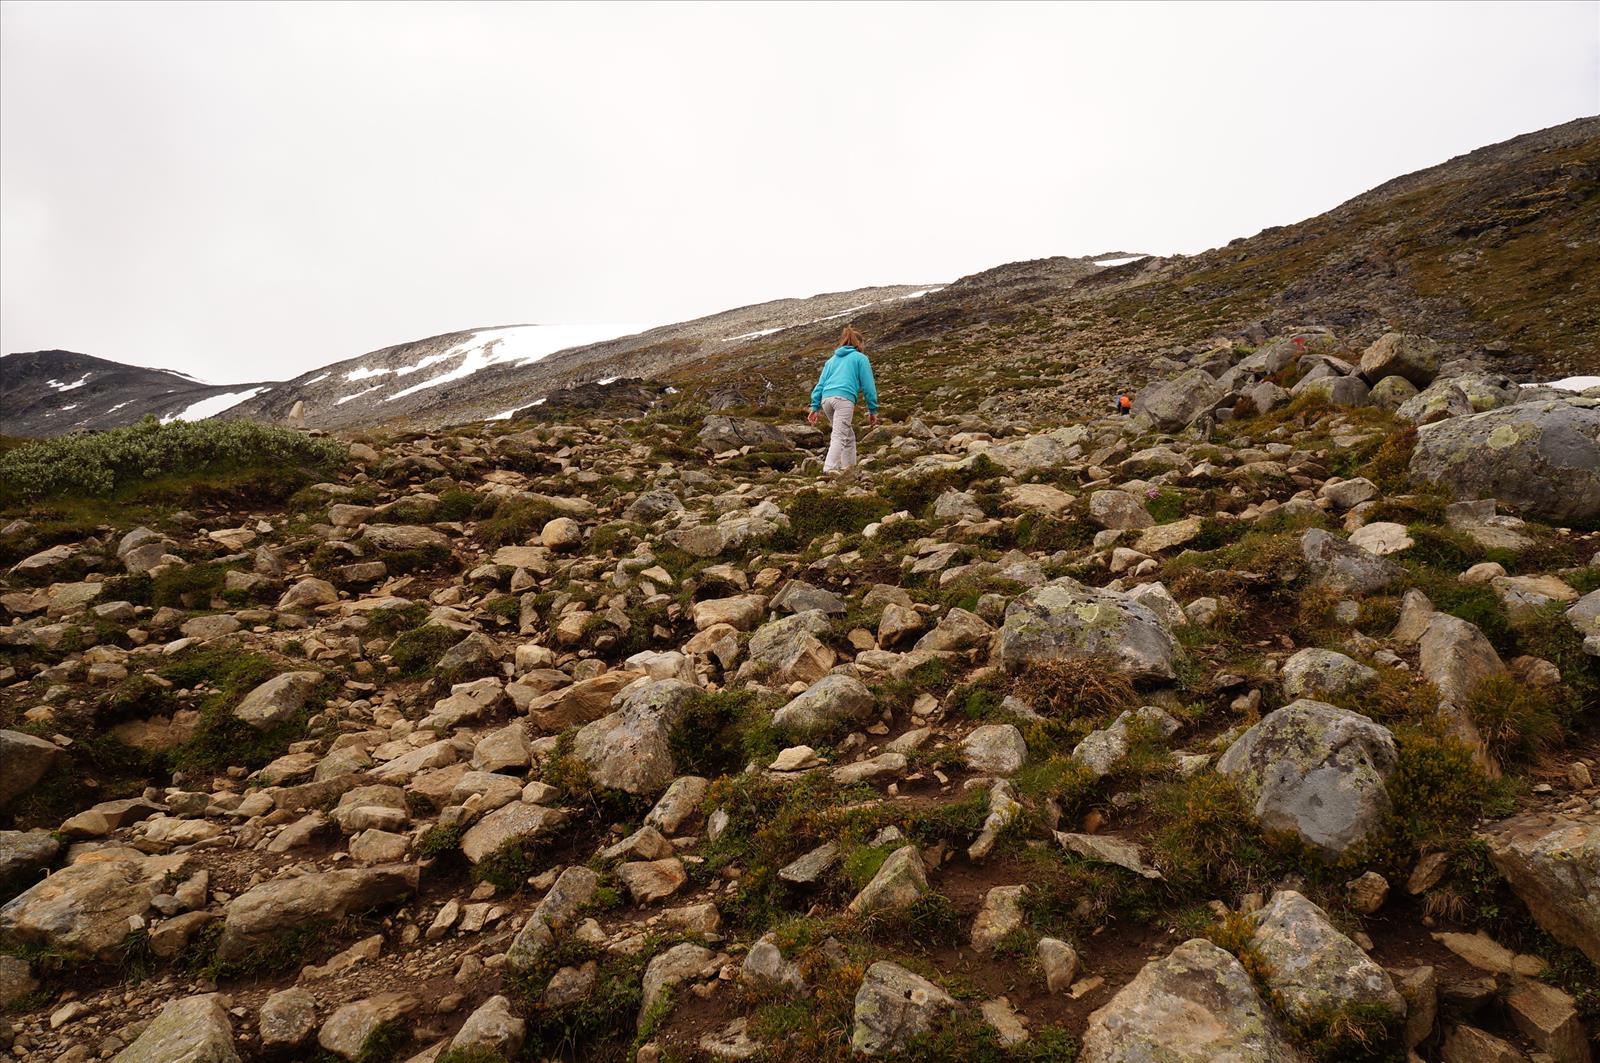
845	374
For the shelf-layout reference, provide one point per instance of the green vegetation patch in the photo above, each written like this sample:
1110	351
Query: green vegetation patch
102	463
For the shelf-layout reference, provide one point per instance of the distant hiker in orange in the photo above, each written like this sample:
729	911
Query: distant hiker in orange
845	375
1123	403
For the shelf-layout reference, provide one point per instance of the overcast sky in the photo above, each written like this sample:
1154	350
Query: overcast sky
248	191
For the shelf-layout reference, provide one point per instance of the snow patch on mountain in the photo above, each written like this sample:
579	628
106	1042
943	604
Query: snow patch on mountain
78	383
518	345
212	406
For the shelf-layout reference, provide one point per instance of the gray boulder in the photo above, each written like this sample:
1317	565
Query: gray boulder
84	909
1391	393
832	700
1414	359
790	650
27	760
1100	750
25	852
190	1030
1543	457
1314	673
1343	567
630	749
1338	390
894	1006
730	433
900	880
1312	968
1553	863
1315	771
277	700
1176	403
1066	619
264	912
554	913
1439	401
1197	1005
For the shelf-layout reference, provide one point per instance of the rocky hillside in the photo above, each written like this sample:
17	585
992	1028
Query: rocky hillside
1495	255
1258	725
48	393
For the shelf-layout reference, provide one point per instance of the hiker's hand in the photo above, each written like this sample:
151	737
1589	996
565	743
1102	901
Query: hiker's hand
872	420
812	417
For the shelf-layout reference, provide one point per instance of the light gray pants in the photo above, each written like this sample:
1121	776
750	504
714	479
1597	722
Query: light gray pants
842	444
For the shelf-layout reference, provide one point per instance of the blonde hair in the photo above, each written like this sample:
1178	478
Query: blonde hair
851	338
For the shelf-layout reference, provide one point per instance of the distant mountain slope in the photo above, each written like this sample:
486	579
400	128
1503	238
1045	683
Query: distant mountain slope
491	372
46	393
1496	254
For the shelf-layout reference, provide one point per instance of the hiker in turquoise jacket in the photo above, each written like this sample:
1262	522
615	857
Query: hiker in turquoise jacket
844	376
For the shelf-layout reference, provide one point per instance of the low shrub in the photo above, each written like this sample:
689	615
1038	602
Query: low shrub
101	463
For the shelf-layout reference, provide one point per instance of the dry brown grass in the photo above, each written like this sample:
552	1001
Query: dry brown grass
1077	686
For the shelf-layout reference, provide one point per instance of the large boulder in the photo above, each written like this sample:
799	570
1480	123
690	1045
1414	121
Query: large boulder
1313	969
24	853
27	760
1553	864
277	700
730	433
190	1030
1344	567
1315	771
85	908
405	537
1066	619
832	700
1175	403
1197	1005
894	1006
1317	673
630	749
552	915
790	650
1543	457
259	915
1413	358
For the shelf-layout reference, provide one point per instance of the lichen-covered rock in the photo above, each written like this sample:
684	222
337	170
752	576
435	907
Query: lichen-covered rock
552	915
900	880
1542	457
630	749
267	911
1553	864
1175	403
1412	358
277	700
84	909
790	650
994	749
1315	771
190	1030
730	433
893	1006
492	1026
1197	1005
1318	673
1065	619
1312	968
1100	750
1343	567
1118	509
678	964
831	700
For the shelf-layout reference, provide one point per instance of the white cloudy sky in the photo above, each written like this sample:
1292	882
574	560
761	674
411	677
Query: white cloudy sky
248	191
